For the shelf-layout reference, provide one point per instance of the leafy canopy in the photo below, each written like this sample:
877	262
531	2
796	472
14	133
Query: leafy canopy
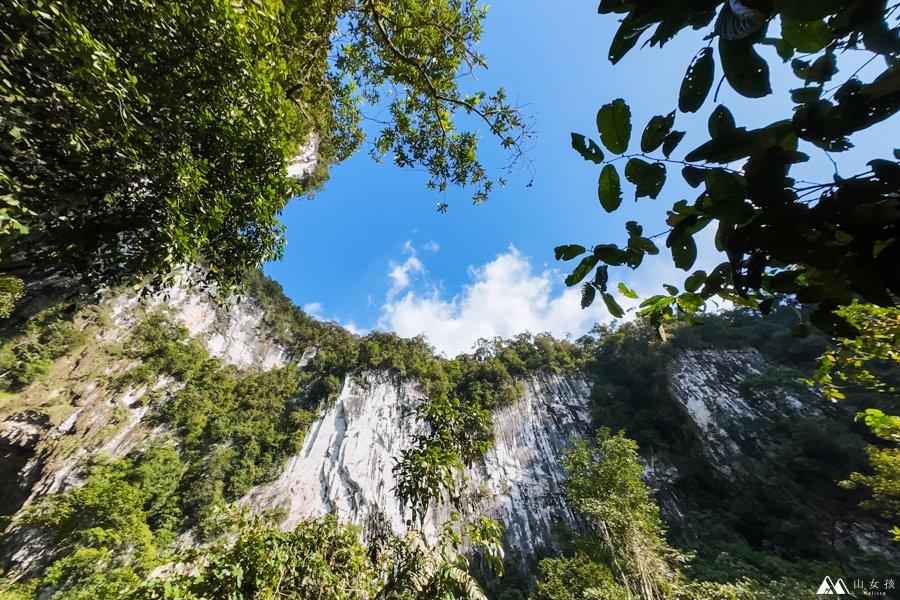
624	552
824	243
141	135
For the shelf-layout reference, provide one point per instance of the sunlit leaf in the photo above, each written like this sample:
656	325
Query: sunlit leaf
612	306
614	125
627	292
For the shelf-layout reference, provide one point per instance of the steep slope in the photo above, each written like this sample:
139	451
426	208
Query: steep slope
717	410
345	466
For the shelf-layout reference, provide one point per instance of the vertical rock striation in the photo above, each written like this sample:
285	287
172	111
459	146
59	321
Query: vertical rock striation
346	463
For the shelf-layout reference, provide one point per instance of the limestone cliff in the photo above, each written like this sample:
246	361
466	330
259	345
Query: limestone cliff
344	467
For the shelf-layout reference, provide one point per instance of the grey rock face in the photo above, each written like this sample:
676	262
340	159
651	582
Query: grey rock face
521	476
48	456
233	332
302	166
345	466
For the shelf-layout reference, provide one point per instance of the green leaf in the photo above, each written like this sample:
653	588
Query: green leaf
808	10
694	176
741	143
587	148
722	186
587	294
721	121
746	71
656	131
897	153
601	278
647	178
806	36
614	125
784	50
634	229
673	291
820	71
627	292
610	254
690	303
625	38
694	281
612	306
609	188
684	250
584	267
611	6
671	142
568	252
725	196
644	245
716	280
697	82
658	308
805	95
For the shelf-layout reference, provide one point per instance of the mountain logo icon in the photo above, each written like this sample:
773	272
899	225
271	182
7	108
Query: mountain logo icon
833	587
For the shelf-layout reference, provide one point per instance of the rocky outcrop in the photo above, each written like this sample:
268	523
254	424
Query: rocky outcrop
44	451
521	477
233	331
709	386
345	466
346	463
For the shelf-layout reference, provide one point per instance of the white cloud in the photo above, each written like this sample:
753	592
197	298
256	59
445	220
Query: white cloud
352	328
431	246
401	274
506	297
313	309
317	311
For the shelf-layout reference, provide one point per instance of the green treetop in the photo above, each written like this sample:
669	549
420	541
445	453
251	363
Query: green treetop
137	136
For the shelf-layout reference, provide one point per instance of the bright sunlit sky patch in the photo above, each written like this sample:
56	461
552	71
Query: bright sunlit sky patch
371	252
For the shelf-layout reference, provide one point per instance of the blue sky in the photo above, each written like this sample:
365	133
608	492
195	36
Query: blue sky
371	252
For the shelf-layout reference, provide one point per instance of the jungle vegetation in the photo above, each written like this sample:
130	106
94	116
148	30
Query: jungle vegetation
138	137
117	167
230	429
823	243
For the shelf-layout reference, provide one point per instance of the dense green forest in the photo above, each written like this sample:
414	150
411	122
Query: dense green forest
143	143
763	535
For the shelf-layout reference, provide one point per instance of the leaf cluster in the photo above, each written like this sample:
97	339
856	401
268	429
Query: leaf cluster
821	243
138	137
107	533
